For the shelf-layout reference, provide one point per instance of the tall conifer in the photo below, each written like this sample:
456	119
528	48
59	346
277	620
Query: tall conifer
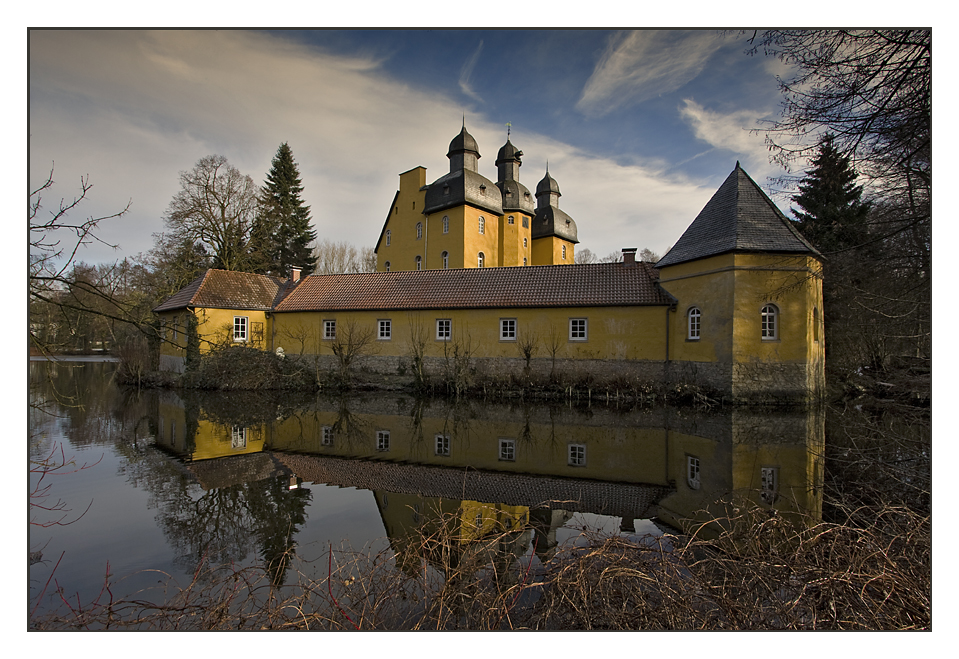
833	215
282	233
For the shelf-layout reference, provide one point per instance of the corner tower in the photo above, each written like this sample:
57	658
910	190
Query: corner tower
553	232
515	238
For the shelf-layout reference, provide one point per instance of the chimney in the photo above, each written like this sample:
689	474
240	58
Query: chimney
294	274
629	256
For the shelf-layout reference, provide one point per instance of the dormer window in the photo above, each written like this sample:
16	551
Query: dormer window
482	189
446	190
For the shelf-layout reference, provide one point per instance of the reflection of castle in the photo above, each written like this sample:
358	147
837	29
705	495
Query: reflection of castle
500	465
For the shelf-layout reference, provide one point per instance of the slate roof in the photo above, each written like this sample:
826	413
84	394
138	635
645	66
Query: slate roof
738	218
224	289
599	284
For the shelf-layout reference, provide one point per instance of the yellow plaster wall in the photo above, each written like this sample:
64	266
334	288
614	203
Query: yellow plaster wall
549	251
631	333
406	211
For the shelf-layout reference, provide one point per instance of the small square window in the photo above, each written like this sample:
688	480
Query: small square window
444	329
329	329
577	455
327	437
507	450
240	328
443	445
577	329
507	329
692	472
382	440
385	330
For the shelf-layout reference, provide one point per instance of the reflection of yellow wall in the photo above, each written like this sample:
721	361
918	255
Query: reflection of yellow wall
211	440
635	333
628	454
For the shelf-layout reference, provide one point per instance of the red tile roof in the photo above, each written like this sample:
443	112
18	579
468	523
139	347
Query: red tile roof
601	284
224	289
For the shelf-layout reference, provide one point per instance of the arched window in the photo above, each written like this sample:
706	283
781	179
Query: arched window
446	224
564	252
770	322
511	220
693	319
482	225
388	236
525	243
524	260
419	230
387	266
480	260
446	260
419	262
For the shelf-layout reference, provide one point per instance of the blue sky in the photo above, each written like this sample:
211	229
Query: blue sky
639	128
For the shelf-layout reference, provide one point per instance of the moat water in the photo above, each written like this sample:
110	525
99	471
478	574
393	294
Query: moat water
158	482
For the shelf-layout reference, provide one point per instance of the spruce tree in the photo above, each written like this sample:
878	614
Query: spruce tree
833	215
282	234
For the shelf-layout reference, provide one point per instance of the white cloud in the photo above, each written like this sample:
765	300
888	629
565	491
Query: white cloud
467	72
639	65
733	132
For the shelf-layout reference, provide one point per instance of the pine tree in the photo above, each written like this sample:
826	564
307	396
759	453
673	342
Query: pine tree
833	215
282	233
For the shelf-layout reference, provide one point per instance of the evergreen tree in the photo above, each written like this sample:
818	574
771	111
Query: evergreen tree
282	233
833	216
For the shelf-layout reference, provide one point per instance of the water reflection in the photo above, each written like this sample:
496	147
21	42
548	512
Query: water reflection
233	474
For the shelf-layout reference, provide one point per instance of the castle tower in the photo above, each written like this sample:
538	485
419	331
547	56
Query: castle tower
515	246
553	232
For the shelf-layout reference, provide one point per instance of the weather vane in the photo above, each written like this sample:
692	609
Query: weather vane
508	125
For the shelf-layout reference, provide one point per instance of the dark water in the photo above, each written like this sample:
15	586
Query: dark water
169	482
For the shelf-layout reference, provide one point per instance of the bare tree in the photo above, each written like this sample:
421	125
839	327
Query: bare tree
352	340
342	257
215	207
584	255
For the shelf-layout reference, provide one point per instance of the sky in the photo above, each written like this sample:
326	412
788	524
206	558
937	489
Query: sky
639	128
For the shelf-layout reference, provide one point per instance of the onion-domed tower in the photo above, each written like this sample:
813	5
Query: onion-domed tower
553	232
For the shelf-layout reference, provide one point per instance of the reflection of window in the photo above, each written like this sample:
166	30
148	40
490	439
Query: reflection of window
444	329
238	437
382	440
329	329
240	325
769	330
172	432
443	445
693	318
507	449
327	437
692	472
385	330
507	329
815	324
770	484
577	329
577	455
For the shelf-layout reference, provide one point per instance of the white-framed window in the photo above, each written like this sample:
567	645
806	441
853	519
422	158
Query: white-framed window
507	329
241	326
692	472
564	252
769	318
482	224
387	266
577	455
446	260
327	436
510	220
382	440
693	320
389	237
238	437
329	329
443	445
444	329
577	329
176	324
507	450
419	230
384	330
769	484
525	243
446	224
480	260
419	262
